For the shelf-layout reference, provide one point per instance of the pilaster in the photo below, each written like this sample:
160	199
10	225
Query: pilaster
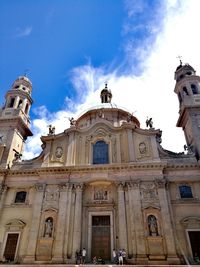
122	227
35	222
166	222
60	231
78	220
140	252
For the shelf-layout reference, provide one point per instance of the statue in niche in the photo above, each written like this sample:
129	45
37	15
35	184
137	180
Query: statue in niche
48	228
153	226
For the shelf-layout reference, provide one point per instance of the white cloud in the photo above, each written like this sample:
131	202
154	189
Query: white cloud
152	92
22	32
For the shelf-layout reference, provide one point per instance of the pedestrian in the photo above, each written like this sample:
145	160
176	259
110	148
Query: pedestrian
124	256
83	255
120	258
114	256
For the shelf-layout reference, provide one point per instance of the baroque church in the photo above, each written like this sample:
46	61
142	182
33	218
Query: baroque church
102	184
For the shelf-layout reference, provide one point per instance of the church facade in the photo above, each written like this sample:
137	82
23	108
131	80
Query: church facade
104	183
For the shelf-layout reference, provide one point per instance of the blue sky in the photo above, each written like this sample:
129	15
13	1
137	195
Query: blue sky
72	46
50	38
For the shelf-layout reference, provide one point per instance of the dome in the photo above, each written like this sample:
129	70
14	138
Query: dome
183	71
23	78
106	112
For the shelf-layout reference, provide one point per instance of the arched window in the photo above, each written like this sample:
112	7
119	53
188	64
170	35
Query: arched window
20	197
194	89
185	191
100	153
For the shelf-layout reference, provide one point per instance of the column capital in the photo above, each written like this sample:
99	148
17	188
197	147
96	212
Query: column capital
160	183
40	187
79	187
133	184
3	188
63	187
120	186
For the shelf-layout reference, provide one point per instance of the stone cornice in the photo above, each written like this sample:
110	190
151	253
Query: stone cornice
87	168
163	166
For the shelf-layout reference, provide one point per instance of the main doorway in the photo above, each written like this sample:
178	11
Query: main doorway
101	241
11	245
195	242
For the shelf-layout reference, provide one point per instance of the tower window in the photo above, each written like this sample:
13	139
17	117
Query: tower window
185	90
100	153
20	103
179	97
194	89
189	73
12	101
185	191
26	109
20	197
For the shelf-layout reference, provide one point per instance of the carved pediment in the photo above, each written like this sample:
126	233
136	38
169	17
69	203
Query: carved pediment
15	224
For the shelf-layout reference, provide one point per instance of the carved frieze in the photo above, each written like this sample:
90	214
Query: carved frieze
149	192
51	197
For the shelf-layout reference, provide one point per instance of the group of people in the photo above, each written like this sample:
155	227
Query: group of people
80	256
119	257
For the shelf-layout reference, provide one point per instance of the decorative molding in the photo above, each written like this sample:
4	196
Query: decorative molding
40	187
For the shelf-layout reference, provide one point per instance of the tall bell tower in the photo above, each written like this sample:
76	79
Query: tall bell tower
14	121
188	90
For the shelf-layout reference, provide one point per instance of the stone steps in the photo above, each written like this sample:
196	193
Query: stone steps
89	265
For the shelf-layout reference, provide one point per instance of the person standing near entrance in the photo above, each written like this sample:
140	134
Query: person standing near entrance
83	255
114	256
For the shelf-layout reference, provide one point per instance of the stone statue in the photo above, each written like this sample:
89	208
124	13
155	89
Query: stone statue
72	121
51	130
17	156
153	226
48	228
149	123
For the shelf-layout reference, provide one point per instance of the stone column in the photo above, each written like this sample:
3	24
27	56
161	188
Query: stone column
60	229
77	220
25	101
122	227
16	102
131	145
132	248
35	223
71	147
166	222
3	190
67	223
138	222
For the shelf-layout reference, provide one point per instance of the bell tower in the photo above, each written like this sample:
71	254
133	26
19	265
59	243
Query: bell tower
14	121
187	89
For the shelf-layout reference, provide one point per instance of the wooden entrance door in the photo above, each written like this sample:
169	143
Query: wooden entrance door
11	245
101	237
195	242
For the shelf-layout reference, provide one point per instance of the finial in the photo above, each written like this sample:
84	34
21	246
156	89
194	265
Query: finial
179	57
106	84
26	71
